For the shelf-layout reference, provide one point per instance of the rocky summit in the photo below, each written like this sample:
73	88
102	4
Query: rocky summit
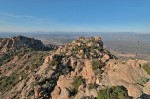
81	69
15	43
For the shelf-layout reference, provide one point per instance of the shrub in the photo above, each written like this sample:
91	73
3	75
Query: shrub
6	57
77	82
142	81
35	59
96	64
54	63
94	47
7	82
146	67
92	86
56	59
117	92
67	49
88	97
47	85
73	91
76	49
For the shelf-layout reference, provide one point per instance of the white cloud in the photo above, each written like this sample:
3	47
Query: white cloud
23	16
28	20
11	15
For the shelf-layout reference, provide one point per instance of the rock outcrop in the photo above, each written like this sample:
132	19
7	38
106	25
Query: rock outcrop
80	55
81	69
15	43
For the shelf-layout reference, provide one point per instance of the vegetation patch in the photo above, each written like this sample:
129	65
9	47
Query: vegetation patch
7	82
56	59
35	59
76	83
7	57
142	81
54	63
146	67
96	64
92	86
117	92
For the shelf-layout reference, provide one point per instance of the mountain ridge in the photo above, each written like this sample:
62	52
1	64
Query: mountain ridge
81	69
15	43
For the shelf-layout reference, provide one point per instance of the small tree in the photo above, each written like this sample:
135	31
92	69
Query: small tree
146	67
117	92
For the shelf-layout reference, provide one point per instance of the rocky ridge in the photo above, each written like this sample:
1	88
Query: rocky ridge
79	56
83	69
15	43
19	45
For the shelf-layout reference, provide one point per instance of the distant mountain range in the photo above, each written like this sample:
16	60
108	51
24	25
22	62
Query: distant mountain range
125	42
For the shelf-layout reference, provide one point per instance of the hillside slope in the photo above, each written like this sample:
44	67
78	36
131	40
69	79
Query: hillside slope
81	69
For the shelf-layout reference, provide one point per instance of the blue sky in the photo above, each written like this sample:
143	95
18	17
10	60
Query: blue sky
75	15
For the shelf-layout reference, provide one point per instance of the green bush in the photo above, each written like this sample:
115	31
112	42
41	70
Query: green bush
96	65
54	63
88	97
73	91
76	49
77	82
117	92
56	59
7	82
48	85
67	49
142	81
146	67
92	86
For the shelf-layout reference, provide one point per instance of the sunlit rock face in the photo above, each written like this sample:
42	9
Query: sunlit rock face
15	43
80	69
